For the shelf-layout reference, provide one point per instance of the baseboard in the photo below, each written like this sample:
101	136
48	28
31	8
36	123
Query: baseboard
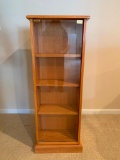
101	111
84	111
16	111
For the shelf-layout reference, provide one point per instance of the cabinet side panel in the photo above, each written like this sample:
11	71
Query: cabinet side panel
34	74
81	76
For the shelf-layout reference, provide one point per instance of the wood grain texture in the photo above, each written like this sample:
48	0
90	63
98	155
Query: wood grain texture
58	148
58	95
34	76
57	17
63	69
58	50
57	37
54	38
57	136
53	83
81	78
58	122
58	110
43	55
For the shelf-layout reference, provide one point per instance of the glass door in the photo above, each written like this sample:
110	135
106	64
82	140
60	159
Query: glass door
58	60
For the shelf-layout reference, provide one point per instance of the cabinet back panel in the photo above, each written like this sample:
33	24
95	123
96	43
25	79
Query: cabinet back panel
58	122
58	95
59	36
65	69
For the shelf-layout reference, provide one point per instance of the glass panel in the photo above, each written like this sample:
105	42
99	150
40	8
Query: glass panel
59	69
59	37
58	77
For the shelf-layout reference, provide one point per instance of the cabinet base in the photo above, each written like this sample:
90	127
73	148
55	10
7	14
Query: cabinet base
58	148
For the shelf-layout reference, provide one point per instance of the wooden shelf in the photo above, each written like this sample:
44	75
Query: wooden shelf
57	136
57	55
57	110
54	83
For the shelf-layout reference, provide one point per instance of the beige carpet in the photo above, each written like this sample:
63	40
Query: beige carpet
100	137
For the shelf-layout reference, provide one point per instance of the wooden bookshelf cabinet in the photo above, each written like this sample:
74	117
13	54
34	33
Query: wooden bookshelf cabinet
58	48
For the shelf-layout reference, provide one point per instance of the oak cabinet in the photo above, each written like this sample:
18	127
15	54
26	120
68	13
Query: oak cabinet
58	48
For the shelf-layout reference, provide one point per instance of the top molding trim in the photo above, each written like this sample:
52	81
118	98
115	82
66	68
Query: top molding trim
58	17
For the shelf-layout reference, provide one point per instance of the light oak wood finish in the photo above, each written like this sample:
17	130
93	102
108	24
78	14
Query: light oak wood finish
58	55
57	17
58	95
34	75
53	83
63	69
57	136
58	49
58	110
81	78
58	148
58	122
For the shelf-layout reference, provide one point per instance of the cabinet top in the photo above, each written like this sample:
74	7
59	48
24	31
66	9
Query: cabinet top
58	17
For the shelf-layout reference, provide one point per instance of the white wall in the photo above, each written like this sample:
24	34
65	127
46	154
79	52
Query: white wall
102	60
